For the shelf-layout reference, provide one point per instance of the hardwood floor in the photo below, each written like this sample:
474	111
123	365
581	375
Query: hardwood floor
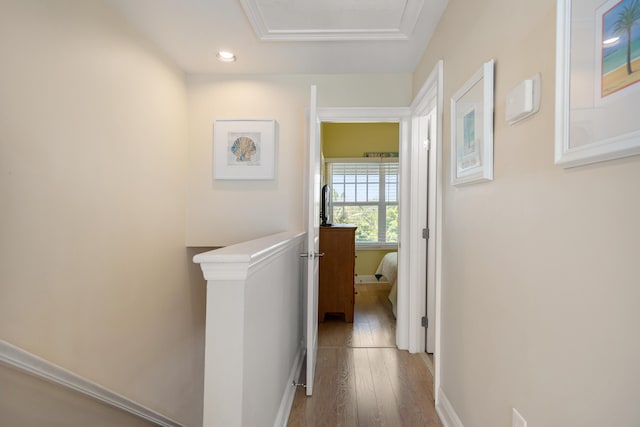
361	378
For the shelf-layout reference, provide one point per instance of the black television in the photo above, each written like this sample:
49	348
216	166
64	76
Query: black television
325	207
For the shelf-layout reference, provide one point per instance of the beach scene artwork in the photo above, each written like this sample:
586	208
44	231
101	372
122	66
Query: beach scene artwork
620	50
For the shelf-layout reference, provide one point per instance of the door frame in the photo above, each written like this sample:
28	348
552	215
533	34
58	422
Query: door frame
410	308
430	95
402	116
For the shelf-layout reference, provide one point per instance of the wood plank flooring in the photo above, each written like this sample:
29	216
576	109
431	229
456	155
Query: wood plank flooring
361	378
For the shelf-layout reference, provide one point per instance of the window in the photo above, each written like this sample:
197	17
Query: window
365	193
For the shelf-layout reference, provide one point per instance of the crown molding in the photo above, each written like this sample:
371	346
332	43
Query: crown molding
403	31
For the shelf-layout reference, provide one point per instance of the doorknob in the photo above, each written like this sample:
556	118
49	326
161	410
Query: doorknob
311	255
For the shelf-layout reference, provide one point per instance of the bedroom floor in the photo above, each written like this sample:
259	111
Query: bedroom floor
362	379
373	321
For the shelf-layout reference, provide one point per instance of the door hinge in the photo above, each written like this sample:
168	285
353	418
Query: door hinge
425	322
425	233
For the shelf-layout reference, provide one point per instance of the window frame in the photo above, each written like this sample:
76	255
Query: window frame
382	204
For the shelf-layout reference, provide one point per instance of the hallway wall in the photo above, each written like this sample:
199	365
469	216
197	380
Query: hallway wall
221	213
94	273
540	275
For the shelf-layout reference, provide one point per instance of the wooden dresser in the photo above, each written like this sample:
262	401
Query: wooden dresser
337	271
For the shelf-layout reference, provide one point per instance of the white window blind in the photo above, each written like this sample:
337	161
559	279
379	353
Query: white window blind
365	193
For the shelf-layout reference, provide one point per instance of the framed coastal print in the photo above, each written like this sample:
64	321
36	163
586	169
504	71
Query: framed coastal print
244	149
472	129
597	81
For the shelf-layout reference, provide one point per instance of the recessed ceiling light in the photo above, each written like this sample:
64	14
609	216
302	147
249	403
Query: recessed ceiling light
226	56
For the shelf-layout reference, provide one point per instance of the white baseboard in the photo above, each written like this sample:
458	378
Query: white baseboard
31	364
290	390
446	412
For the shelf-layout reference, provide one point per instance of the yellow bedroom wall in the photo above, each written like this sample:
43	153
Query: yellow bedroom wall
540	278
353	140
367	261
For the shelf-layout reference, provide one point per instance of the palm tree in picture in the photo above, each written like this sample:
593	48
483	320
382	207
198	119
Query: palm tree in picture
628	17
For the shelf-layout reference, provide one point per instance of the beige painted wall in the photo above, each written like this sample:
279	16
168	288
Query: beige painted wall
28	401
540	278
94	273
221	213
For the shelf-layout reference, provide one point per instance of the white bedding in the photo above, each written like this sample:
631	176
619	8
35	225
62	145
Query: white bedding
388	269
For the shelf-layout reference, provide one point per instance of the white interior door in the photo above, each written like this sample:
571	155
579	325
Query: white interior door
423	226
313	232
420	238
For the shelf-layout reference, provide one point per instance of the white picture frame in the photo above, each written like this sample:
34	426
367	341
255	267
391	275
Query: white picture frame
596	111
244	149
472	128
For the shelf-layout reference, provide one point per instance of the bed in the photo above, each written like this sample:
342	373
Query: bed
388	269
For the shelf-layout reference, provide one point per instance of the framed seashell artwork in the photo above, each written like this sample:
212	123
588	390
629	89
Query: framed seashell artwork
244	149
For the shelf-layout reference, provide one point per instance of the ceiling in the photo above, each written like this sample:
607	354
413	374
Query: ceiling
288	36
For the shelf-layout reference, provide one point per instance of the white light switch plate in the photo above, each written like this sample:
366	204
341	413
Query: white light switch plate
517	420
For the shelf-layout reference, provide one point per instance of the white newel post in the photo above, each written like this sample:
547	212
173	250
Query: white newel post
253	295
224	332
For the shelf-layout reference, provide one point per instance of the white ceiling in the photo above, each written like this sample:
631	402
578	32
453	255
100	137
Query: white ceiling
288	36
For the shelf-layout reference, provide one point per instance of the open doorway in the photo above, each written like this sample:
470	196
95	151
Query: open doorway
401	116
360	172
411	296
